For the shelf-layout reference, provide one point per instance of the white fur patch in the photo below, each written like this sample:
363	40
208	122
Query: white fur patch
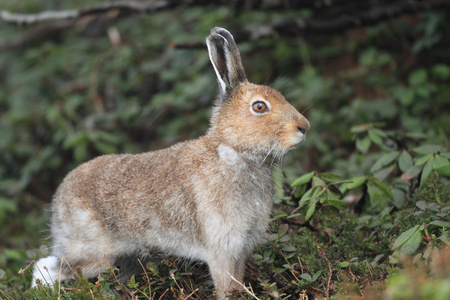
47	271
230	156
300	137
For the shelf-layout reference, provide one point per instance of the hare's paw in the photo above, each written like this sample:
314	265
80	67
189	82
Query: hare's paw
47	271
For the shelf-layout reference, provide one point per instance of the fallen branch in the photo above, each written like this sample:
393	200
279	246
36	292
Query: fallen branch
56	21
149	6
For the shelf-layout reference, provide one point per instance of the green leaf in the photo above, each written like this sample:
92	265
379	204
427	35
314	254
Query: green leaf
289	249
384	160
299	192
440	162
399	198
383	173
310	211
426	171
445	170
306	276
303	179
318	181
445	237
363	144
308	196
339	204
283	229
330	177
405	236
359	128
411	173
440	223
422	205
356	182
422	160
316	275
418	77
405	161
376	138
429	149
412	244
344	264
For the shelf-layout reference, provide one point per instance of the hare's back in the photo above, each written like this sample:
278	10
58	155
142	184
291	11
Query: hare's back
126	191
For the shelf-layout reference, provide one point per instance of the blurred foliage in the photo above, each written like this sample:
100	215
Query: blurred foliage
377	99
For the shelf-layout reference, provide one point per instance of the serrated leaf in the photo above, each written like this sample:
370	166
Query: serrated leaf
428	149
330	177
303	179
363	144
411	173
356	182
405	161
426	171
384	160
404	237
444	170
310	211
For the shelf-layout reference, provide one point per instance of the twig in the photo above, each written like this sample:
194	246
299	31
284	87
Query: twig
148	280
327	291
250	292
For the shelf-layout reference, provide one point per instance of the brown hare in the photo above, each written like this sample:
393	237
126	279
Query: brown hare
207	199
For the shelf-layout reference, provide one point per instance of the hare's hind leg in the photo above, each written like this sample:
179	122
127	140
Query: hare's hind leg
129	266
227	273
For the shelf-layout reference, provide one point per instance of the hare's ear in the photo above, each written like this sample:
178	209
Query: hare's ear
225	59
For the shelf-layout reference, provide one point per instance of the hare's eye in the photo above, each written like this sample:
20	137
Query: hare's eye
259	107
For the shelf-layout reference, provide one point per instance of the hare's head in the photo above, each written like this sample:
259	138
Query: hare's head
248	117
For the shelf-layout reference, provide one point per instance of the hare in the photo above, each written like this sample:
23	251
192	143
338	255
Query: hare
207	199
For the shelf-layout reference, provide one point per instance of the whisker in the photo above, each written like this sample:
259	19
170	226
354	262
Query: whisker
304	111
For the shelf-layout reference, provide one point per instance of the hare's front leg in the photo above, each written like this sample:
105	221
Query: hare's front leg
222	268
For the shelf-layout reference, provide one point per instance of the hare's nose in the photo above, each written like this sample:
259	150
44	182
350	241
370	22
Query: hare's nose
301	129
